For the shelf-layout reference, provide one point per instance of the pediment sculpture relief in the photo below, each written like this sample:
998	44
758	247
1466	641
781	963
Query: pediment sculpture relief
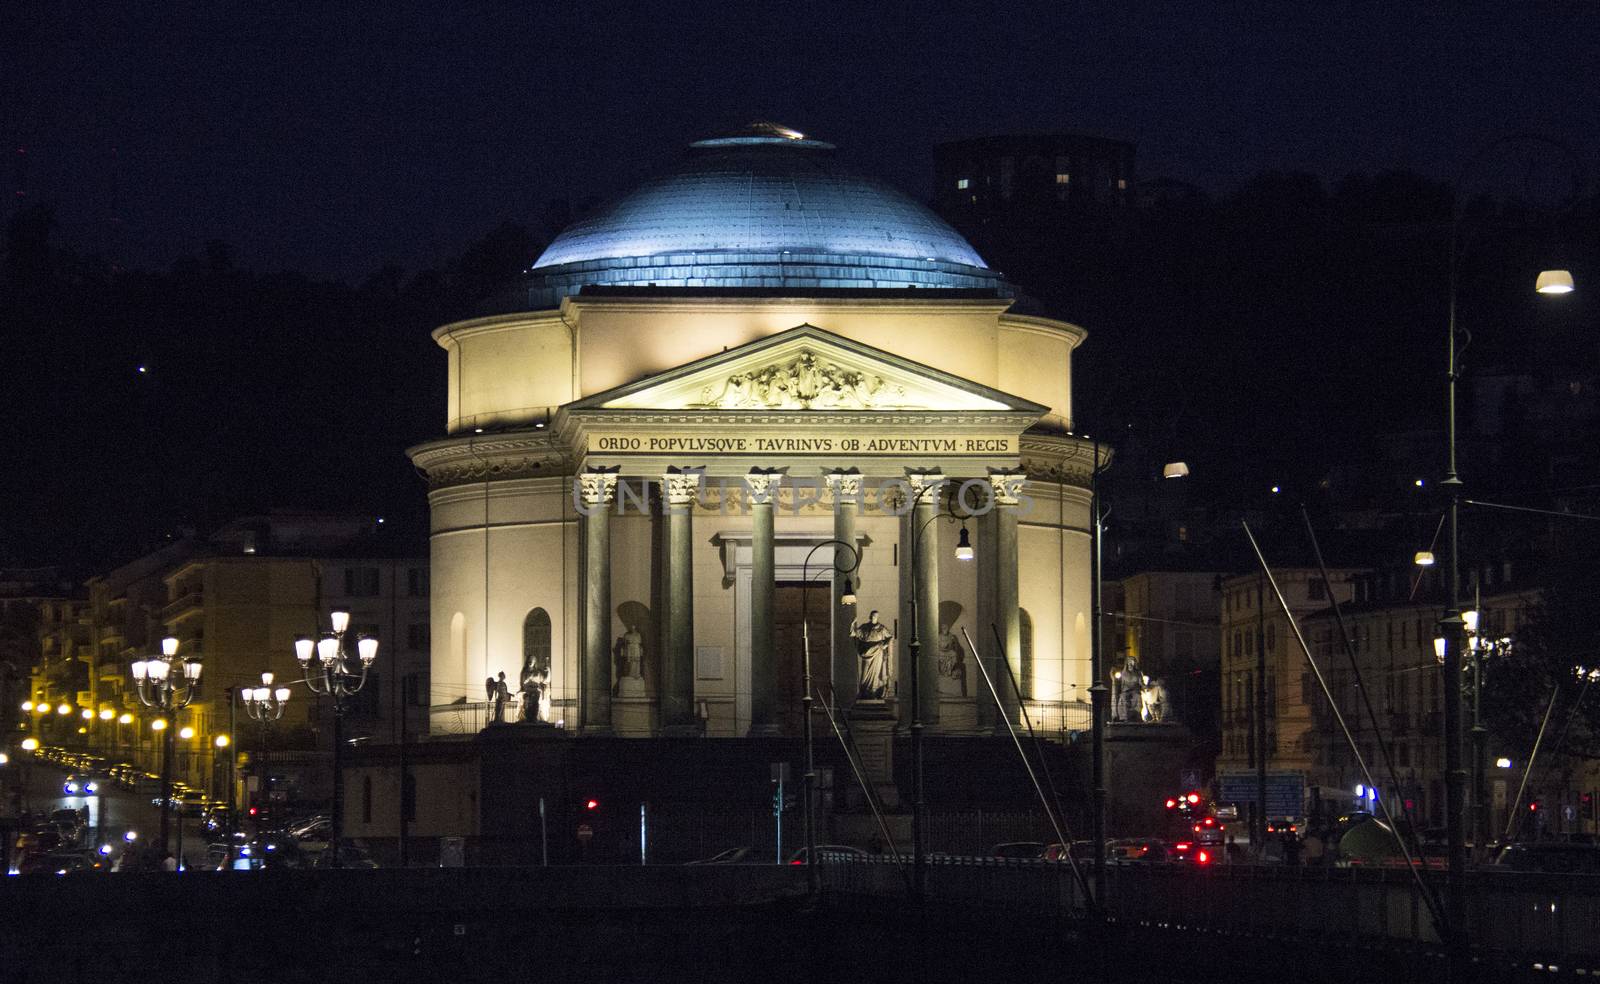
806	383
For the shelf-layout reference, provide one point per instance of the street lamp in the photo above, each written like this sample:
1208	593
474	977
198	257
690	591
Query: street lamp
329	673
847	599
1452	623
166	684
264	705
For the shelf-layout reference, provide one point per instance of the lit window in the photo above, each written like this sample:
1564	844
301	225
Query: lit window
962	184
1122	183
1063	178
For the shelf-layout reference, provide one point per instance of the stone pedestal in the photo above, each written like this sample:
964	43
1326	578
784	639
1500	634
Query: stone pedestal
872	725
633	716
958	716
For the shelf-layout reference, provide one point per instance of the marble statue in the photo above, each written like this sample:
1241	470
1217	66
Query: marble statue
872	647
952	664
535	682
1153	702
630	664
499	694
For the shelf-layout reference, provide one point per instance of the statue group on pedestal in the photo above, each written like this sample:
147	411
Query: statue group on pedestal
1136	697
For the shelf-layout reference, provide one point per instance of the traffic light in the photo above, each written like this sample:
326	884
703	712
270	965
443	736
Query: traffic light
1588	806
1172	804
591	804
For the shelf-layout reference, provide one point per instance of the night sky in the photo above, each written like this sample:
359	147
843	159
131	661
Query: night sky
332	138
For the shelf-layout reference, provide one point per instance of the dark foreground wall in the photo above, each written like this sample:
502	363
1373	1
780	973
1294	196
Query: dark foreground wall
741	925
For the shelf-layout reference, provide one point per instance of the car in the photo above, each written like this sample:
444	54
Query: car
1144	850
1190	852
733	855
1553	857
77	785
1018	850
1078	851
829	853
349	856
315	830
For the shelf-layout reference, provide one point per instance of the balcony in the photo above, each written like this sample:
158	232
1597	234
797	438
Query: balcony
182	606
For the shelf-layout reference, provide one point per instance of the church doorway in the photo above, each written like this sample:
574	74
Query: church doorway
787	624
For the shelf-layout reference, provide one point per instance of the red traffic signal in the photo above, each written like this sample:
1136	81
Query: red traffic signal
591	804
1192	798
1171	803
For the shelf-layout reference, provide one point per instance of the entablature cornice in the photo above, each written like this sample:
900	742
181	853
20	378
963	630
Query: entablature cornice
1065	458
477	458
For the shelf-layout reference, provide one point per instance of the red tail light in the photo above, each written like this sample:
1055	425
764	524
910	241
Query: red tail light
1203	857
1181	846
797	861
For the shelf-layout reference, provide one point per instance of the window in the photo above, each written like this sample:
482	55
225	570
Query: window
417	637
1122	184
962	184
366	799
361	582
417	582
1062	179
408	796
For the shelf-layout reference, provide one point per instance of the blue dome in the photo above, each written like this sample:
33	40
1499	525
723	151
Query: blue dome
764	207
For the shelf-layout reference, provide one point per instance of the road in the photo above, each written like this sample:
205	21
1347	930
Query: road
112	813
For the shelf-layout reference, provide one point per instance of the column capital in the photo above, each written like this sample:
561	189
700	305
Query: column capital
844	483
925	484
1007	486
681	484
762	483
598	486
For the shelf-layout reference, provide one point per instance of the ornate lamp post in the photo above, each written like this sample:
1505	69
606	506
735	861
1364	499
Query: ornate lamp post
264	705
963	553
167	684
847	598
329	673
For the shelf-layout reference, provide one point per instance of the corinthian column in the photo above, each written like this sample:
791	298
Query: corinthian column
845	672
1002	574
596	488
679	487
762	485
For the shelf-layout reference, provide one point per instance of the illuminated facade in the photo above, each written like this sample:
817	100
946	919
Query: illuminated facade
699	386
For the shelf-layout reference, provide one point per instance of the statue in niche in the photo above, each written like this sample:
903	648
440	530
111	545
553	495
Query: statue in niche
535	690
872	648
952	665
630	664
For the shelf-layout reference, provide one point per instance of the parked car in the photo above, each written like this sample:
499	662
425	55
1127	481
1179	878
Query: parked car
828	853
733	855
1018	850
349	855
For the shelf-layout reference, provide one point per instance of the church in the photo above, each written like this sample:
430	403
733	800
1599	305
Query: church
758	409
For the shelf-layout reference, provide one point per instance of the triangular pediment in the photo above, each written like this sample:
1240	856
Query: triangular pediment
806	369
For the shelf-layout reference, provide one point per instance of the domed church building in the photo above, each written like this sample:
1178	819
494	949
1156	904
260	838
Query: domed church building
718	411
